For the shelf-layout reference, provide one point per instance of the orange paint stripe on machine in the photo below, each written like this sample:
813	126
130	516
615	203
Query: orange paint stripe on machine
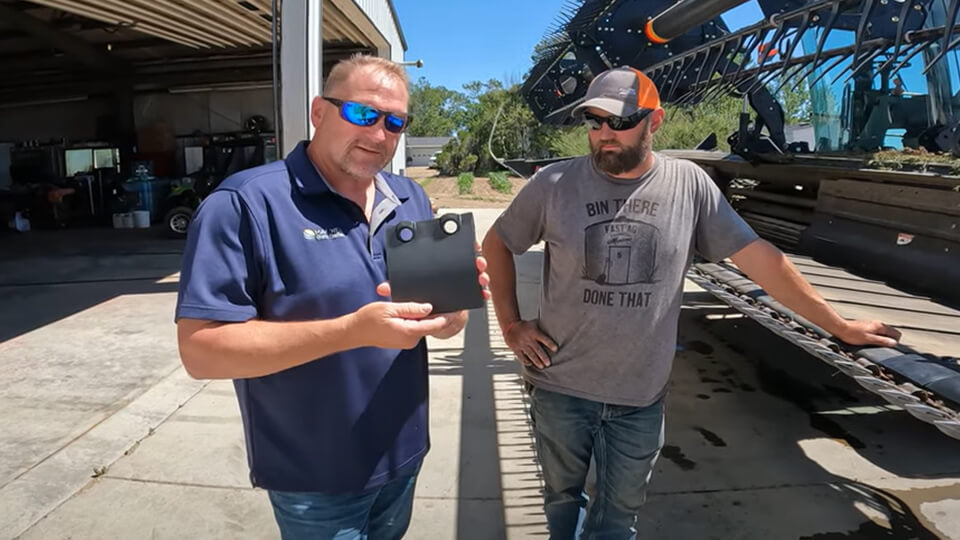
652	34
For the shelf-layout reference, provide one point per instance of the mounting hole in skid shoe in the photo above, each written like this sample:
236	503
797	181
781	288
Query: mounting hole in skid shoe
405	233
451	226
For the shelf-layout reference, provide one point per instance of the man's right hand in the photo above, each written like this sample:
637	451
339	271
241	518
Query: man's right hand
527	341
390	325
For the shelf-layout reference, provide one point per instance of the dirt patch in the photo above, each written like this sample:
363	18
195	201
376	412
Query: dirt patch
444	191
420	172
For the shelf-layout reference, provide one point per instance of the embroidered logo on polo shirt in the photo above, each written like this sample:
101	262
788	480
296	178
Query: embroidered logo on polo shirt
323	234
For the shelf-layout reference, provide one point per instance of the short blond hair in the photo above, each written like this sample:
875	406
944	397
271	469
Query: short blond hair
344	68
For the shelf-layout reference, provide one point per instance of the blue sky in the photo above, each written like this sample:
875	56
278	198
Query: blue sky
461	41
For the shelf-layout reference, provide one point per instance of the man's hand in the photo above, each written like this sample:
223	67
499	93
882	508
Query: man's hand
869	333
482	276
453	324
450	323
527	341
392	325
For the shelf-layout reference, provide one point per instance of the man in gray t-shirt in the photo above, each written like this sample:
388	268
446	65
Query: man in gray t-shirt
616	254
620	227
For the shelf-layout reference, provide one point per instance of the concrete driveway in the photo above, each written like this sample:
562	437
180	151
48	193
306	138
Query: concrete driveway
106	437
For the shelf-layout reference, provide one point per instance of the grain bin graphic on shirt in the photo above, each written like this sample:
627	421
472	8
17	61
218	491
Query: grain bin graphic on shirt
621	251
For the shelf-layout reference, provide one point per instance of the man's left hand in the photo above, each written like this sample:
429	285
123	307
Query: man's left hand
869	333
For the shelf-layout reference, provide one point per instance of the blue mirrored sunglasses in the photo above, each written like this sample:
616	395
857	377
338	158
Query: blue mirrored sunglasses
359	114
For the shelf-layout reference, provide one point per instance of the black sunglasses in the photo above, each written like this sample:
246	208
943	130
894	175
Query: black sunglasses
616	123
362	115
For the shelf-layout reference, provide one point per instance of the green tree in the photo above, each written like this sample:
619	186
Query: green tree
796	102
686	127
571	141
518	133
683	127
434	109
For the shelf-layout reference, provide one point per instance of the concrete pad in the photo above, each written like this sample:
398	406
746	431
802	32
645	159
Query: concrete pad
943	514
806	512
483	452
440	472
444	519
90	241
62	379
54	480
786	420
201	444
42	305
483	218
716	440
86	268
474	451
124	509
779	447
521	479
840	459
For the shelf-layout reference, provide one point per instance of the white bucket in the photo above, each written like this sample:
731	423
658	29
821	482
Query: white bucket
118	221
141	219
126	220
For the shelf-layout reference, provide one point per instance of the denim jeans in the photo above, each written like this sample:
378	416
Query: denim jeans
380	513
624	443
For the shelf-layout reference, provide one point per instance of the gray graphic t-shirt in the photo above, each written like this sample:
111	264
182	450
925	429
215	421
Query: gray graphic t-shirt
614	263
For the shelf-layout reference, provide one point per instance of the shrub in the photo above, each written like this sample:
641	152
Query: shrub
465	183
499	181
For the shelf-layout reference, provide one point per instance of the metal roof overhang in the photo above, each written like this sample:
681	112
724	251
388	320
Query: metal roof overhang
216	23
51	47
195	24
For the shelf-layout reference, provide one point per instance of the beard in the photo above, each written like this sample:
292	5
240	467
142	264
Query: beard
626	158
364	165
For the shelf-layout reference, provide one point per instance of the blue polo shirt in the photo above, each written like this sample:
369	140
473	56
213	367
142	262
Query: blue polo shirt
277	243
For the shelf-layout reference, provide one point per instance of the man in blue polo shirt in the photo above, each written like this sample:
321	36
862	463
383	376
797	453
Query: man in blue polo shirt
282	289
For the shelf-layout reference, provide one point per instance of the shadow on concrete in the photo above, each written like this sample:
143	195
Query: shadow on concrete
497	457
46	276
722	474
886	436
836	408
498	463
903	522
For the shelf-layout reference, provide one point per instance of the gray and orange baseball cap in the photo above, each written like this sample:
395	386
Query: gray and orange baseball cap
621	91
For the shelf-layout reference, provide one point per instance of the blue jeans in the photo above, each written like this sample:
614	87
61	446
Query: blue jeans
623	442
380	513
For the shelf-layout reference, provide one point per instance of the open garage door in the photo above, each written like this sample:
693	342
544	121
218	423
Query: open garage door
95	92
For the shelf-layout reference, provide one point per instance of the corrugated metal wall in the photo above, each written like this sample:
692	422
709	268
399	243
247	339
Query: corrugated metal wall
379	13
